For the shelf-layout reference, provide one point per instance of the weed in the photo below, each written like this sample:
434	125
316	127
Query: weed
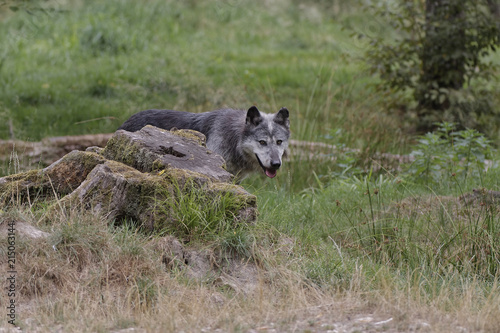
142	294
447	152
80	242
210	215
239	240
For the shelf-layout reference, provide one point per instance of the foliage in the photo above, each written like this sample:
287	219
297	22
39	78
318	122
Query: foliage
204	215
420	220
438	54
450	153
198	212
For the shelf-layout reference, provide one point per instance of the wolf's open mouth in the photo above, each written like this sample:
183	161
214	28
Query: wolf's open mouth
271	173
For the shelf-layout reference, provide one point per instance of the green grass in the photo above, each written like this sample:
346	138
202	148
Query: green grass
87	70
397	226
392	239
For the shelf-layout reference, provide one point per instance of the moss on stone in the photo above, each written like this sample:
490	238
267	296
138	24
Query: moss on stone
195	136
120	149
154	149
59	179
237	191
22	187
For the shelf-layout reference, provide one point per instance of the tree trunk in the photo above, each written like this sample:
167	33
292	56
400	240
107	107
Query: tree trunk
494	8
443	65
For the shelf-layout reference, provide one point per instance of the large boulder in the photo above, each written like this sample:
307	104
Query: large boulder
154	149
155	177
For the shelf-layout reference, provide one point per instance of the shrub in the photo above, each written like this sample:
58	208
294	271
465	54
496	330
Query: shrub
438	52
448	152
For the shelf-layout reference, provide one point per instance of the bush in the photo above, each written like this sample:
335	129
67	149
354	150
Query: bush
438	55
448	153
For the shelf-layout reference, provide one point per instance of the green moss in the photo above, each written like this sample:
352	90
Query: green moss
23	187
60	178
121	149
23	176
197	137
88	160
182	177
237	192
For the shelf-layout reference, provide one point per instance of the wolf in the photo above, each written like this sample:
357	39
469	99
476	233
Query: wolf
248	140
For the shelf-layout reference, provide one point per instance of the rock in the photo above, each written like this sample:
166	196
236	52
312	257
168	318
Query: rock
155	200
117	191
154	149
60	178
158	178
20	228
172	250
30	231
238	274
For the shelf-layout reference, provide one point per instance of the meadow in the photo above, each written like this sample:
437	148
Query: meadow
341	243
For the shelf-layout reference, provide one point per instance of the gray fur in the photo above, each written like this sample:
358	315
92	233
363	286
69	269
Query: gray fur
242	138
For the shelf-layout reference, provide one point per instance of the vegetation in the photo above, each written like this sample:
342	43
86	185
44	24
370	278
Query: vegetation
334	244
447	152
439	55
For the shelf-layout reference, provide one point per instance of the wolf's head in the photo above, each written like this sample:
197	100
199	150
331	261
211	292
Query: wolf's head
266	138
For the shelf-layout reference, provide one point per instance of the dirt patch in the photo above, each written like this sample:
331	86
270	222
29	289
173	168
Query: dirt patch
224	270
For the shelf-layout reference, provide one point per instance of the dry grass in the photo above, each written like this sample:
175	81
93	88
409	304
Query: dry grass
88	276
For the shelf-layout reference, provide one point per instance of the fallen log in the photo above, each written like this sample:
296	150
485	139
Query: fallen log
24	155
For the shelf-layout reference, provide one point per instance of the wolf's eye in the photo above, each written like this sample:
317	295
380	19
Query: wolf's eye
279	142
262	142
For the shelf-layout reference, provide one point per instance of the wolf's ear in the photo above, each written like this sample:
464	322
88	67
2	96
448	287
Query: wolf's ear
253	116
281	117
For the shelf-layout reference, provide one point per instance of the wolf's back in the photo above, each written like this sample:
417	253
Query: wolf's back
166	119
214	123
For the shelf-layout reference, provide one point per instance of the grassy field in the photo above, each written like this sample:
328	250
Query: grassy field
87	70
337	246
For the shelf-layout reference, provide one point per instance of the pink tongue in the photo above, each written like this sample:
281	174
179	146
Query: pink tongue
270	173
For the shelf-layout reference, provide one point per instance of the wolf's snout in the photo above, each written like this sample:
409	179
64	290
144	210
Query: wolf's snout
275	165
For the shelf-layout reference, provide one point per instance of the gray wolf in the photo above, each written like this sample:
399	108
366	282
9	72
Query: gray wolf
249	141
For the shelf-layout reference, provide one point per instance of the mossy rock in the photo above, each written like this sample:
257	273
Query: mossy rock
154	149
58	179
161	179
120	192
